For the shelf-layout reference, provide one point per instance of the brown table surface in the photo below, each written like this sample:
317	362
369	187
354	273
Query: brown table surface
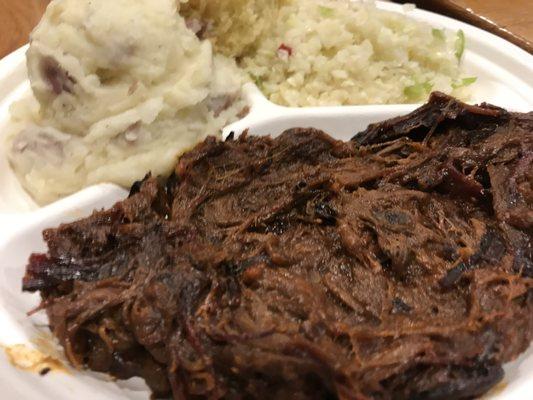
18	17
514	15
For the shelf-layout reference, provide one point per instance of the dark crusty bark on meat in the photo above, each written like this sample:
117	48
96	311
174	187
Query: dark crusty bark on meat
395	266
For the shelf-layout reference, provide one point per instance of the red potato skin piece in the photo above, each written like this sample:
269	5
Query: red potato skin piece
285	48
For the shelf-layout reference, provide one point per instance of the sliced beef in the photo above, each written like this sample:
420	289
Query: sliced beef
394	266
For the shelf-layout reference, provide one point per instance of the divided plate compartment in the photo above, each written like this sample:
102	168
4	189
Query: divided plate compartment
505	78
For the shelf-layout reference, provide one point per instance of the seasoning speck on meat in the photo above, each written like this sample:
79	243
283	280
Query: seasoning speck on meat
395	266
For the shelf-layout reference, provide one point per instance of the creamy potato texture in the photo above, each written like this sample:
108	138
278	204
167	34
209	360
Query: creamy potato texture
120	88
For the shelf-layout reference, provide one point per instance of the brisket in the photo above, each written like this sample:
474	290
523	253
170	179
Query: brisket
398	265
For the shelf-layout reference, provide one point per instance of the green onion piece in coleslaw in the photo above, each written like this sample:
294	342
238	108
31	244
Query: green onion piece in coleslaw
460	44
326	12
417	91
258	80
438	34
464	82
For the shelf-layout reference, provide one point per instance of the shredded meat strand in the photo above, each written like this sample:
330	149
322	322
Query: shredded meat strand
394	266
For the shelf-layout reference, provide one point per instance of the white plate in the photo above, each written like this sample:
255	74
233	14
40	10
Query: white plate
505	78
